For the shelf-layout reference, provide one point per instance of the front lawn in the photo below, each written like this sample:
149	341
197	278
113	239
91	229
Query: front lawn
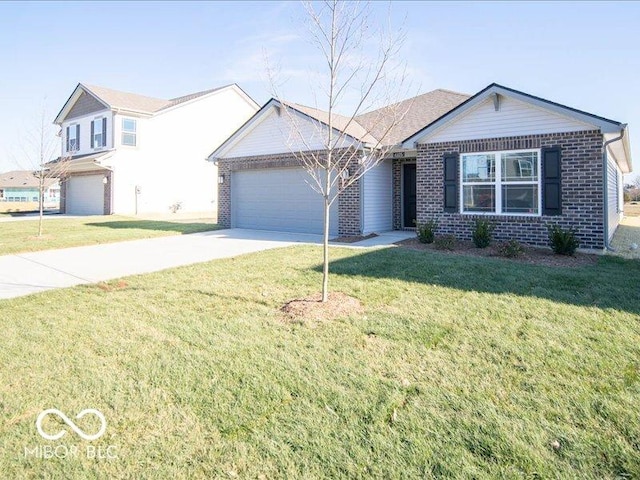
459	367
21	236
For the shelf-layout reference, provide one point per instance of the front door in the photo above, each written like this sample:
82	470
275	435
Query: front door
409	195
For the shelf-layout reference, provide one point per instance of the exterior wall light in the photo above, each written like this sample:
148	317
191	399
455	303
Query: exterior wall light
221	179
105	179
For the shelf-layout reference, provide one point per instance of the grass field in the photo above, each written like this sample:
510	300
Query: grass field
21	236
459	368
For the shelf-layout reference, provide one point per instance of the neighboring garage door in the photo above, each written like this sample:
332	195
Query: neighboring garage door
85	195
279	200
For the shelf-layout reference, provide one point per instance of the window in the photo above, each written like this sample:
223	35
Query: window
73	138
506	183
129	132
98	132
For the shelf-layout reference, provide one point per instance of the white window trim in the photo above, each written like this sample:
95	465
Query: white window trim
72	127
104	134
497	184
124	132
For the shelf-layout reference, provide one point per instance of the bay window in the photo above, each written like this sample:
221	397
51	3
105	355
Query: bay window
501	183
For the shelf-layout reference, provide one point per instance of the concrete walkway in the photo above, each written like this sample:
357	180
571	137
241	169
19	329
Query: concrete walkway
627	234
27	273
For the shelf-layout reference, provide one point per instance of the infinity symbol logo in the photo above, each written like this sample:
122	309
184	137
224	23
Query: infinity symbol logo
69	422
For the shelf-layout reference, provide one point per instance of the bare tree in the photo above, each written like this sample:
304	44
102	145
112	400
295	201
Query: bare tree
39	147
359	61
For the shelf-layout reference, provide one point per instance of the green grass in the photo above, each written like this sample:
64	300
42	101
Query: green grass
460	367
21	236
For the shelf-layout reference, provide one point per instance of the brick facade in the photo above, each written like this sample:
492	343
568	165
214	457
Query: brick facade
582	189
349	221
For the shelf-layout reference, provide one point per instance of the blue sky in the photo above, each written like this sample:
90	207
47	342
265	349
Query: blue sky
585	55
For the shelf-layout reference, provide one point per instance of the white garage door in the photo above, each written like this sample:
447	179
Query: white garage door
279	200
85	195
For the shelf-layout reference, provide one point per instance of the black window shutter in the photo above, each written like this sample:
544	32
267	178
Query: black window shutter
78	137
92	133
451	182
551	181
67	139
104	131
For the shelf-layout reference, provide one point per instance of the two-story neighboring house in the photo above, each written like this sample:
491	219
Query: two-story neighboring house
134	154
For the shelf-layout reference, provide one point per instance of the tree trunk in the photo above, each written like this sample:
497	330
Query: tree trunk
41	208
325	251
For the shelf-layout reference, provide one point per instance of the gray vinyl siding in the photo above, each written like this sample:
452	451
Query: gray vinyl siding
377	201
85	105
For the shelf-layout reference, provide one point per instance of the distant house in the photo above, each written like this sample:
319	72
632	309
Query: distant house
135	154
520	161
22	186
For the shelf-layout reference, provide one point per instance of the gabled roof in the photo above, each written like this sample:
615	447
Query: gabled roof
23	179
606	125
418	112
135	103
609	128
341	124
126	101
410	115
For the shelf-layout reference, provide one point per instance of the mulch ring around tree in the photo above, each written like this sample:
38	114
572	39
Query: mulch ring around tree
312	309
531	255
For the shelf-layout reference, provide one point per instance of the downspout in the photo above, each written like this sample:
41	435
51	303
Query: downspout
605	176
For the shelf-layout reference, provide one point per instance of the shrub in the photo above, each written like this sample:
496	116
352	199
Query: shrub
563	242
510	249
427	231
445	242
482	233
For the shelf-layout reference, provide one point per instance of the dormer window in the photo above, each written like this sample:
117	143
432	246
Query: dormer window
99	132
73	138
129	135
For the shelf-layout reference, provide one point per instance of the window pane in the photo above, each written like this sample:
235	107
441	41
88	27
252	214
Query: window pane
479	198
129	139
520	166
520	199
478	168
128	125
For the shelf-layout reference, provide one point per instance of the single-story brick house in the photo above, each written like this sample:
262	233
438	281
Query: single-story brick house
23	186
519	160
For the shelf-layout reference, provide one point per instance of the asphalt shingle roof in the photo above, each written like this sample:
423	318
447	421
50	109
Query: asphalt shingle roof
140	103
413	114
23	179
410	116
340	122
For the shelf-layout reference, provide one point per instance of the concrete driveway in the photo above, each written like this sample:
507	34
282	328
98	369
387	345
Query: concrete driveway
26	273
